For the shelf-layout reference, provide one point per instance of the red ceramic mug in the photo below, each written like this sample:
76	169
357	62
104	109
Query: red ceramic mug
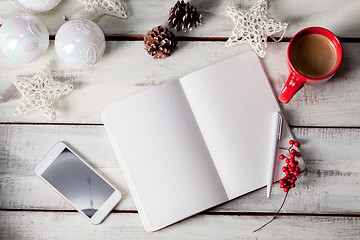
299	46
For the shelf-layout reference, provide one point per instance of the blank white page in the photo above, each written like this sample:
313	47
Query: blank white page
163	155
233	104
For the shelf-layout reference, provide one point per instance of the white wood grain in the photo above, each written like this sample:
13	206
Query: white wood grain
329	185
125	69
340	17
60	225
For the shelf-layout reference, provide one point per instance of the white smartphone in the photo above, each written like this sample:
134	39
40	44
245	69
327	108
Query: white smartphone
78	183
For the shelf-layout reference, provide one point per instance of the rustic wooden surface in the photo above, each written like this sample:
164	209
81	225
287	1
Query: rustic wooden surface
330	184
340	16
325	118
322	105
51	225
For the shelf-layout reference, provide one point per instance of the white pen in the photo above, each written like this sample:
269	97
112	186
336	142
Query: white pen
275	137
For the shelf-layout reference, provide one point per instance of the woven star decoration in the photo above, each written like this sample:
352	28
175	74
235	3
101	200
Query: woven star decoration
254	26
98	8
39	92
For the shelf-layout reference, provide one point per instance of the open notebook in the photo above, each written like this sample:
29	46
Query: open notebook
191	144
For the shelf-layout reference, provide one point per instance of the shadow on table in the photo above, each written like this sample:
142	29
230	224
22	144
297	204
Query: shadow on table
350	64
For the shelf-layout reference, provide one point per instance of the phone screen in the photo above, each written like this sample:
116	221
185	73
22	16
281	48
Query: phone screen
77	182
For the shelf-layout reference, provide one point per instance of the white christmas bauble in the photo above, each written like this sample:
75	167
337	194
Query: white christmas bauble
39	5
80	43
23	38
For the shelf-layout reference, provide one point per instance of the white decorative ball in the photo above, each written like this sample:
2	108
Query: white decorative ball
39	5
80	43
23	38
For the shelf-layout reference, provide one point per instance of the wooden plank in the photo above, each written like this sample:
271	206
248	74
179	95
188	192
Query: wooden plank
330	184
125	70
60	225
341	18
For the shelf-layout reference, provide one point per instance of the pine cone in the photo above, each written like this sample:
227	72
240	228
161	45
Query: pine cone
183	16
160	42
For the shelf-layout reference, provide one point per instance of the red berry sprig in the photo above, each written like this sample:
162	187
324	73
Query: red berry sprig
291	171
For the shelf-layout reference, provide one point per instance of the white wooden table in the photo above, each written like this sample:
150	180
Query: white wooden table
326	119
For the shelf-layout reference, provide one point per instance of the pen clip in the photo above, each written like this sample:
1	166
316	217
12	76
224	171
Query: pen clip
279	127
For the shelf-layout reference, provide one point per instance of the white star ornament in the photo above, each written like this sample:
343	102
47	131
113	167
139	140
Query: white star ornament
254	26
98	8
40	92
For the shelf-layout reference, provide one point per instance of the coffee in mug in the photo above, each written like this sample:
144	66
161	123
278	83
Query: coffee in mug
313	56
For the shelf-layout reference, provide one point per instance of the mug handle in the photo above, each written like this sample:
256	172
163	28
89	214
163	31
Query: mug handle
293	84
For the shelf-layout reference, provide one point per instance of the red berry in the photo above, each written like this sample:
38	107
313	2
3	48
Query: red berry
288	176
286	189
282	186
297	169
281	181
296	163
292	181
298	154
294	178
291	142
291	160
281	156
284	169
293	165
296	173
285	178
293	151
291	169
287	160
292	185
297	144
292	155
